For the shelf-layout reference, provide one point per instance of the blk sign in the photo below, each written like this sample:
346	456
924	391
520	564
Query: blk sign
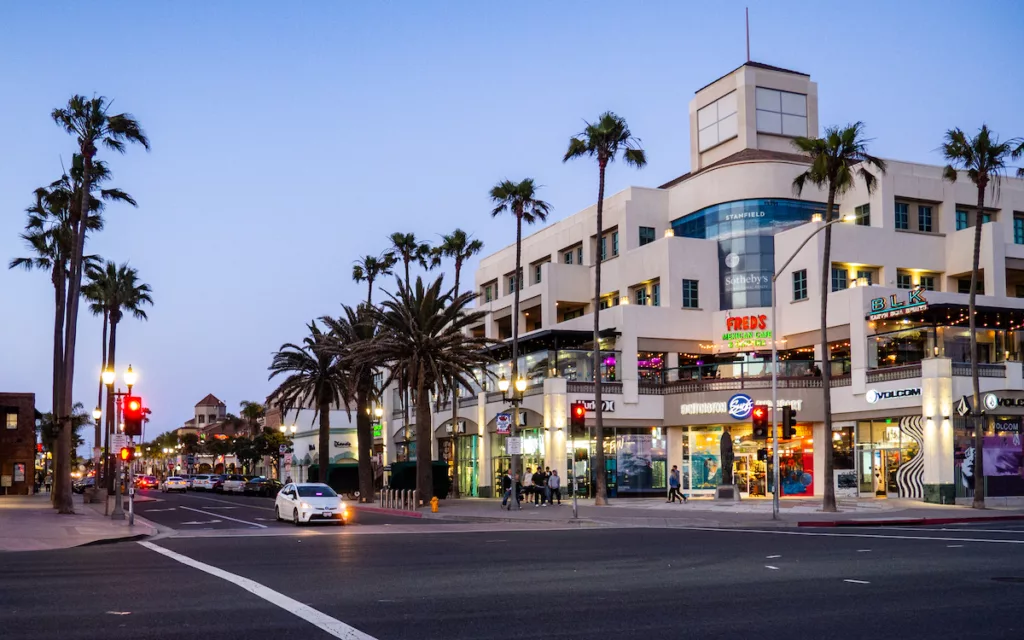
893	306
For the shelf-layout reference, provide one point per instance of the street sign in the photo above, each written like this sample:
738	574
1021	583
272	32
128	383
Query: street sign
503	422
283	449
514	446
118	441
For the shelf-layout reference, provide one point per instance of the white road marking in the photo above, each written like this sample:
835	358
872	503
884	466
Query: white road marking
254	524
857	581
768	566
772	557
157	510
202	522
120	613
849	535
863	550
213	507
954	546
335	627
235	504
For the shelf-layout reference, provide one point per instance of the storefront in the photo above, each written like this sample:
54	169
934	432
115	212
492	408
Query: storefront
467	441
635	462
1003	458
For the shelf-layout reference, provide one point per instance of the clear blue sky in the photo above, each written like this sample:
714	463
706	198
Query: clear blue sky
288	138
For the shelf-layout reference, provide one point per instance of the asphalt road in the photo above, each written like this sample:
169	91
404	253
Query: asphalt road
599	583
198	511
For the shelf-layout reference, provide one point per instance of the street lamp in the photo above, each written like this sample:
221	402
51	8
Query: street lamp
513	394
97	413
378	412
130	377
775	361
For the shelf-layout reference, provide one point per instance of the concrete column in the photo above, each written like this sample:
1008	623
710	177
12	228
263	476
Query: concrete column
937	424
672	362
485	478
556	425
626	365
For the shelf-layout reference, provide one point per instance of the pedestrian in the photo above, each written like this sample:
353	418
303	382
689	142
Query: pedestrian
555	486
540	482
547	486
527	484
48	482
506	489
673	486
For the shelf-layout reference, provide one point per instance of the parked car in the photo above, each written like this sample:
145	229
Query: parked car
146	482
175	483
233	483
260	486
217	483
306	502
79	486
201	482
187	478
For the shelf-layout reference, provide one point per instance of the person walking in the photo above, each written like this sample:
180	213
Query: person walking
506	489
555	487
527	485
673	486
48	482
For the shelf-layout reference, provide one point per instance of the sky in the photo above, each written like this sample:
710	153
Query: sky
290	138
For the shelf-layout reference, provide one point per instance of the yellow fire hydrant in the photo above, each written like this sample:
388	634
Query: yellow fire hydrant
433	504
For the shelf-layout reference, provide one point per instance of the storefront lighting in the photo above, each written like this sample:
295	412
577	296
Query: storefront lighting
816	217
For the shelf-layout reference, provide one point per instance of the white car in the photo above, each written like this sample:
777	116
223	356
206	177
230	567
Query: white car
202	482
233	483
175	483
305	502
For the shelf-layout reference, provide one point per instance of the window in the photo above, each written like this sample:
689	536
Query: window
536	273
863	213
488	292
603	252
901	216
575	313
656	294
610	301
986	218
640	296
1018	230
781	112
866	275
903	281
839	276
924	218
927	283
579	254
1020	290
961	219
646	235
511	284
615	243
717	122
202	419
800	284
691	299
963	285
12	420
567	257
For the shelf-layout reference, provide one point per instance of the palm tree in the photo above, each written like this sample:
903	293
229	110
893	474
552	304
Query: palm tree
405	247
252	412
314	375
350	334
368	268
983	158
112	291
459	247
603	140
423	330
519	199
88	120
837	160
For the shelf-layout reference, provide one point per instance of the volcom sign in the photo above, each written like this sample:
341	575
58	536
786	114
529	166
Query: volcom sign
874	395
993	402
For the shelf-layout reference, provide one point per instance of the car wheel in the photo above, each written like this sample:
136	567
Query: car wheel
295	517
277	514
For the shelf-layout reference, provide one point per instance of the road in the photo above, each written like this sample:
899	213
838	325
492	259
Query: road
638	583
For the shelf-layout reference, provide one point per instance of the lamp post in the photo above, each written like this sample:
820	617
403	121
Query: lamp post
285	431
513	395
109	377
775	364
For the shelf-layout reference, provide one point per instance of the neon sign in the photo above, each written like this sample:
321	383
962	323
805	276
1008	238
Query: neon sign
891	307
742	332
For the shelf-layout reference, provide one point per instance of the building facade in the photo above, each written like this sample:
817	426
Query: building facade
686	325
17	443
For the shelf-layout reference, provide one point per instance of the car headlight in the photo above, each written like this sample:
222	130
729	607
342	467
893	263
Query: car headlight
342	505
304	505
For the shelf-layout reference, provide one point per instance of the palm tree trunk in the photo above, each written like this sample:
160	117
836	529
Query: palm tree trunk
98	439
829	496
979	426
601	479
369	292
424	468
59	282
111	414
515	459
324	443
364	438
455	404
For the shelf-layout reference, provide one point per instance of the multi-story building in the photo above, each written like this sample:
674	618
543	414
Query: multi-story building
686	333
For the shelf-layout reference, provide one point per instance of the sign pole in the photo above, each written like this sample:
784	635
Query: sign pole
775	404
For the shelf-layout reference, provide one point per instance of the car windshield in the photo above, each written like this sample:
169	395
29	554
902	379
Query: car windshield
316	491
258	479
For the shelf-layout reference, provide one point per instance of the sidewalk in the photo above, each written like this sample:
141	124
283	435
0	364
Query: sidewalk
655	512
29	523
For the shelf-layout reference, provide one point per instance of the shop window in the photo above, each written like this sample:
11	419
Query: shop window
800	284
615	243
646	235
781	112
986	218
1020	291
511	284
863	213
691	299
924	218
839	275
603	252
656	294
488	292
574	313
904	281
536	273
963	285
902	216
650	365
927	283
961	219
567	257
1018	230
579	254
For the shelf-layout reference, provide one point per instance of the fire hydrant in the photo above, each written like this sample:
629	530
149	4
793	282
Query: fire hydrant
433	504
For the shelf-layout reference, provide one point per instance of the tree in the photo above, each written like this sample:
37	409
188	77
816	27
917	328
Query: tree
89	121
603	140
423	331
49	428
458	247
268	443
983	158
350	334
113	291
837	160
368	268
314	375
252	412
406	248
245	452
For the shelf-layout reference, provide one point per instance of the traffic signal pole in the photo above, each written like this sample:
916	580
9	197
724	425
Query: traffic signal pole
118	511
774	407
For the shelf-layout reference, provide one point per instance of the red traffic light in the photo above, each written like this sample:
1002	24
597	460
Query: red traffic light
127	453
760	413
132	408
579	410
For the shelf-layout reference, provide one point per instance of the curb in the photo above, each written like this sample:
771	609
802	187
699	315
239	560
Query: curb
390	512
905	521
105	541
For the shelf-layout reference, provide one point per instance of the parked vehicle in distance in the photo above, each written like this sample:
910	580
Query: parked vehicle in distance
260	486
79	486
146	482
175	483
308	501
187	478
233	483
217	483
201	482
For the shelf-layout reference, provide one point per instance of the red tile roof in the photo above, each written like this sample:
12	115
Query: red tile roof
210	401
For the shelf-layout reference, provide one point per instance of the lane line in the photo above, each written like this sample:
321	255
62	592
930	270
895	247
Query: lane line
772	557
333	626
220	515
875	536
857	581
954	546
768	566
863	550
1015	532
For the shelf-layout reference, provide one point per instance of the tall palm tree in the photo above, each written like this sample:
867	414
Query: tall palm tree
368	268
89	121
423	330
314	375
350	334
252	412
112	291
983	158
837	160
458	246
604	140
519	199
405	247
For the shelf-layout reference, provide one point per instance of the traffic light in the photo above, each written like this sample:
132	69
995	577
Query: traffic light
788	422
127	454
578	420
133	415
759	417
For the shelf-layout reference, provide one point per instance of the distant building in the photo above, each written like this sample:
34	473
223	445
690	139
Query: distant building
17	442
209	410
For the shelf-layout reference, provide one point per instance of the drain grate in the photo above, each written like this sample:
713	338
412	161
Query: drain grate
1016	579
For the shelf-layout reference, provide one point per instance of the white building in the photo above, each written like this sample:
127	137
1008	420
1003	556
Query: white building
686	282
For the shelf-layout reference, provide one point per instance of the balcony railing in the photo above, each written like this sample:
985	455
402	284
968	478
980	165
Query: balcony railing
588	387
807	369
895	373
985	370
